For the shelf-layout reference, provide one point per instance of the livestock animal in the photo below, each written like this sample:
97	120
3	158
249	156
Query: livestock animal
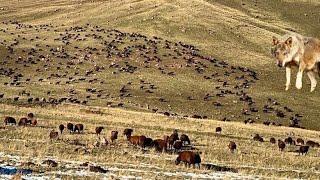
189	158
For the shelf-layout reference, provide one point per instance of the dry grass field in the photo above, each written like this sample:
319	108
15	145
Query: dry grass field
124	64
251	160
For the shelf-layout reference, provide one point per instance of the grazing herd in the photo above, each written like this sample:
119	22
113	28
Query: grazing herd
169	144
72	128
73	60
24	121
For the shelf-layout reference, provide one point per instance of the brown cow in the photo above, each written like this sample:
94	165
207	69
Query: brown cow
189	157
166	138
160	145
137	140
173	137
177	145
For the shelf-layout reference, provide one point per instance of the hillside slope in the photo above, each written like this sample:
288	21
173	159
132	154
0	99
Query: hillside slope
237	32
154	66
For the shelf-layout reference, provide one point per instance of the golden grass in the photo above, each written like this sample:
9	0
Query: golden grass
251	157
224	29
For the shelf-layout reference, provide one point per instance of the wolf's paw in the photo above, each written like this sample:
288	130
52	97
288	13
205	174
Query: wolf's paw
312	89
287	88
298	85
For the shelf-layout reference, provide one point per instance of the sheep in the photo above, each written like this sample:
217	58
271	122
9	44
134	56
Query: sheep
70	127
114	135
232	146
281	145
61	128
185	139
10	120
78	127
188	157
99	129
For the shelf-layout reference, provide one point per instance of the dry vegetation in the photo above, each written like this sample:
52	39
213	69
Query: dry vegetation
252	157
236	31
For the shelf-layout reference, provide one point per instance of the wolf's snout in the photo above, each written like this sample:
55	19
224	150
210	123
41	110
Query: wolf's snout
279	64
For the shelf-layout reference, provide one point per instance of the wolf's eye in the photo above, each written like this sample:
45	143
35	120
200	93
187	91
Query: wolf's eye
273	52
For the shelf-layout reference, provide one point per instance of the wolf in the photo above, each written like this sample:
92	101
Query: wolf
295	50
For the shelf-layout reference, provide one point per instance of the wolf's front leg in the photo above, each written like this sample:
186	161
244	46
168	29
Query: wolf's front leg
288	77
313	80
299	79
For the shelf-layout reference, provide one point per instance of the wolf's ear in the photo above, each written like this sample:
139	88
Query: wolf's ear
275	41
289	41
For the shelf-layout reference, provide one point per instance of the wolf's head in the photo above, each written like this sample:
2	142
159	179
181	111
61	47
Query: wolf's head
281	51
